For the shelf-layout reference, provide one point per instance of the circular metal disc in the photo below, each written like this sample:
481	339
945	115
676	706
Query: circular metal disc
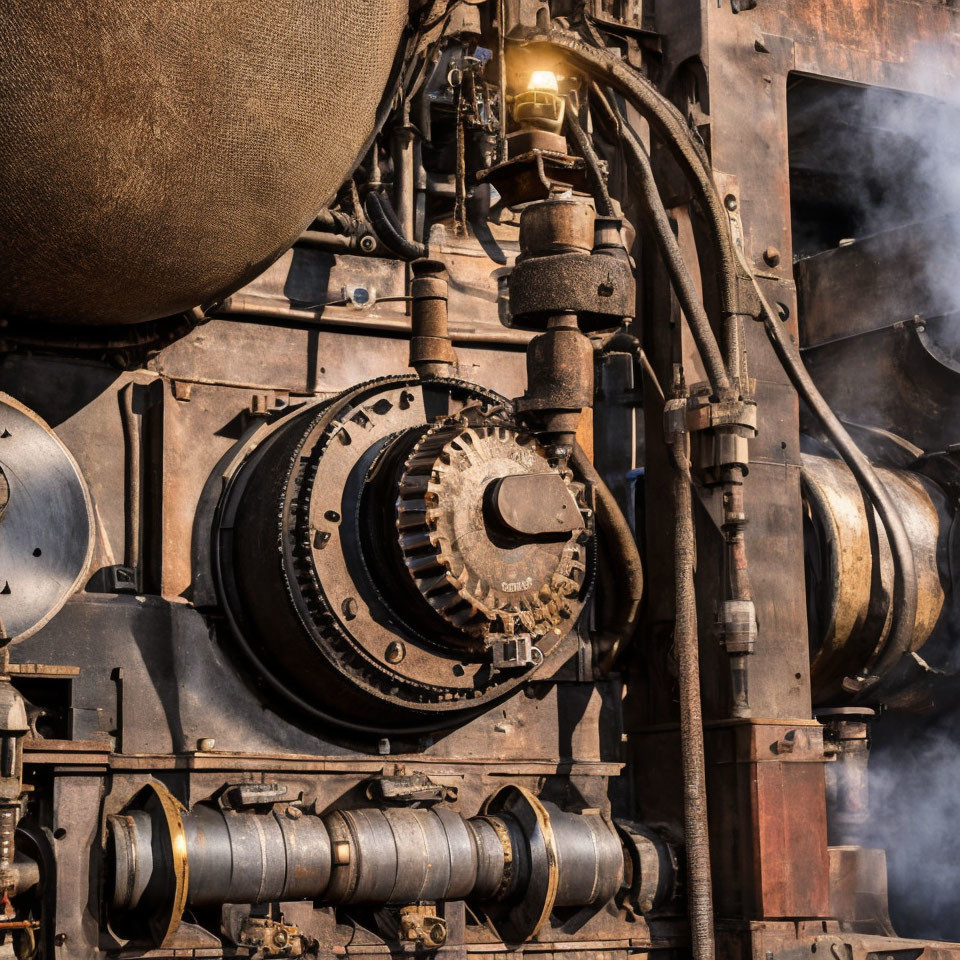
46	528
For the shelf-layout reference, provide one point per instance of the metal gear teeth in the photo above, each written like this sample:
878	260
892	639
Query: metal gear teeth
433	565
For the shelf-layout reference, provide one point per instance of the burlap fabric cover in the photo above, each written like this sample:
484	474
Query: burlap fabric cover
157	154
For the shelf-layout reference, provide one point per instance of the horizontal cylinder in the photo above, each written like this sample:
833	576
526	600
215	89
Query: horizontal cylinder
850	567
402	855
589	858
233	858
389	855
251	858
130	848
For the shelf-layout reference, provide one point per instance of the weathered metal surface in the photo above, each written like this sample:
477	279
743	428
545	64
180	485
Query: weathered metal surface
858	890
851	569
431	352
535	505
153	686
846	739
333	476
877	282
46	522
557	272
773	864
202	124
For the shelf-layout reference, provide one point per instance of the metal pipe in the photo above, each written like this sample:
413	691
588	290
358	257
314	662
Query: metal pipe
243	305
388	230
619	536
431	351
905	585
598	185
502	79
404	173
686	640
364	245
737	613
378	855
132	498
670	253
671	127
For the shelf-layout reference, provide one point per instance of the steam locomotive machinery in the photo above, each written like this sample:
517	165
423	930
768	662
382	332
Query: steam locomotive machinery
356	359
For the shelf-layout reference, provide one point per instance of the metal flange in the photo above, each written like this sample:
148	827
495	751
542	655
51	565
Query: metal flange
519	921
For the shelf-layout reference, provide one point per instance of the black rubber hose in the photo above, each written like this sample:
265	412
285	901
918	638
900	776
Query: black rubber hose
387	229
905	588
598	186
680	278
620	538
387	204
667	122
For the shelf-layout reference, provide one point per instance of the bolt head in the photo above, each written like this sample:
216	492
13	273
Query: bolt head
395	652
771	256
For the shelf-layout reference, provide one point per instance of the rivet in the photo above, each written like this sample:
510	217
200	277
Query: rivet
395	652
772	256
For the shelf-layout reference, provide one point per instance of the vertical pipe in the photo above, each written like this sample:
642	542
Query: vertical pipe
403	173
131	435
696	833
502	79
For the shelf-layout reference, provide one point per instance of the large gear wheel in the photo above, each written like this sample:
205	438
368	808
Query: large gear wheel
321	589
485	584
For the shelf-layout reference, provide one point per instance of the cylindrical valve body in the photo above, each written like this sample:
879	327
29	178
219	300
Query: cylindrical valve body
397	855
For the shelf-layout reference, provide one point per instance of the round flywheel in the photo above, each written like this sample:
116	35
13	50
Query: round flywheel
404	545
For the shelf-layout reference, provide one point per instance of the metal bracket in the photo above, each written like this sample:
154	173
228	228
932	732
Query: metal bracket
242	795
416	788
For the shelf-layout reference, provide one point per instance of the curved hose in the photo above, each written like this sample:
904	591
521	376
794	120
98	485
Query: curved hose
905	588
388	231
621	538
598	186
680	278
669	125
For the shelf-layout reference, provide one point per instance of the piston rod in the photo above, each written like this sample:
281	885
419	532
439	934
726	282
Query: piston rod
379	855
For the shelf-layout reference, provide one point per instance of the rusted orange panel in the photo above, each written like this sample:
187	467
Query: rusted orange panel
768	820
585	432
790	837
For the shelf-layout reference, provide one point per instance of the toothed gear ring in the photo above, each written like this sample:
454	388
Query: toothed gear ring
396	547
481	582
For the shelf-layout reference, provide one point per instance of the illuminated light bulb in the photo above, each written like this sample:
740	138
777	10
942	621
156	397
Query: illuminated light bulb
544	80
540	106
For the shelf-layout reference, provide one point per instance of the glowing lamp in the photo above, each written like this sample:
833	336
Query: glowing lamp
540	106
544	81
